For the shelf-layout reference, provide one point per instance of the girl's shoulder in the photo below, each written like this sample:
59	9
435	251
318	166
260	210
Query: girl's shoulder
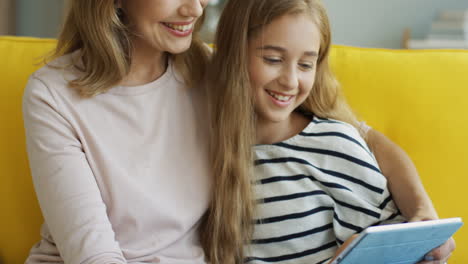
330	133
328	125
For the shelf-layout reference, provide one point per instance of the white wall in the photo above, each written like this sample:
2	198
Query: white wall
380	23
39	18
6	17
365	23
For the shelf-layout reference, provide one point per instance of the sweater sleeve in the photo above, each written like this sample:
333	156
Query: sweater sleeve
66	188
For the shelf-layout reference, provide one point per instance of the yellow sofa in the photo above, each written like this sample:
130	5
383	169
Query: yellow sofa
417	98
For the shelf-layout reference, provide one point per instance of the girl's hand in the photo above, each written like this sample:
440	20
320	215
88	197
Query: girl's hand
438	255
441	254
345	244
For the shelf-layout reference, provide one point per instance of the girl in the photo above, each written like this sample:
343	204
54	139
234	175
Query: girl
316	181
114	140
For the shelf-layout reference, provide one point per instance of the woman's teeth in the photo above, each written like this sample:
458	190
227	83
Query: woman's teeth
181	28
282	98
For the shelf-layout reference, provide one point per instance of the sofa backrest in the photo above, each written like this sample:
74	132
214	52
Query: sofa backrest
21	218
417	98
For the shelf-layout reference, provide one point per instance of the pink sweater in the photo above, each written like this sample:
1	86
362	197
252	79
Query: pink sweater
121	177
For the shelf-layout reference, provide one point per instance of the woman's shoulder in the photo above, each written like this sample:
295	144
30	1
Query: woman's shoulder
52	79
57	72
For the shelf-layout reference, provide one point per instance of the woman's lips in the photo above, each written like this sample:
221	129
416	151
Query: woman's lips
179	29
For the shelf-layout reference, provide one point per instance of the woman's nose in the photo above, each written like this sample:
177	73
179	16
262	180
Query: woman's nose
192	8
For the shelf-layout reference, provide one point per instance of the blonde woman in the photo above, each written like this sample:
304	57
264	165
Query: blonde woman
116	152
317	182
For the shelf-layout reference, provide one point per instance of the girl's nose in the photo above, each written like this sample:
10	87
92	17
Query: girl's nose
289	78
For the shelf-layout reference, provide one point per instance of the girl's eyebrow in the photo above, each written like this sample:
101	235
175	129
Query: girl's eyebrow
283	50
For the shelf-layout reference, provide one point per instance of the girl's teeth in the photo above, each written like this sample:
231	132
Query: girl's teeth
279	97
181	28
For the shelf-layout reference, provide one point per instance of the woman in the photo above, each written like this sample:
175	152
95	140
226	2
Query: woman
116	151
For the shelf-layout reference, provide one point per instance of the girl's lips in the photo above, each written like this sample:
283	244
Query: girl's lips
278	93
280	96
281	103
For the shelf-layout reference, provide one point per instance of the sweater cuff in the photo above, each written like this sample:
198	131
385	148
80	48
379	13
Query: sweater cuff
106	258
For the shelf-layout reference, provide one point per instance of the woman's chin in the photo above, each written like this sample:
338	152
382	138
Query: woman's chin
180	46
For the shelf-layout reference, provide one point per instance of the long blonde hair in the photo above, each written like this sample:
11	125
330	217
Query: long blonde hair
100	31
228	225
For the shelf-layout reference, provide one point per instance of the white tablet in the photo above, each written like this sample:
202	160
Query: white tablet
405	243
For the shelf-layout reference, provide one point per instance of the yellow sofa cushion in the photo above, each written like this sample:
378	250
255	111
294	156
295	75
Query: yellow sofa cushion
21	217
418	98
415	97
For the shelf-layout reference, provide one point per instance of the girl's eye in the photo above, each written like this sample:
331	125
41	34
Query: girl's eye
306	66
272	60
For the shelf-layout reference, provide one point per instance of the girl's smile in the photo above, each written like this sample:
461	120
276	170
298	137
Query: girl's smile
280	99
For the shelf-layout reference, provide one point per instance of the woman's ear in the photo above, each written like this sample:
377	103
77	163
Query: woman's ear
118	4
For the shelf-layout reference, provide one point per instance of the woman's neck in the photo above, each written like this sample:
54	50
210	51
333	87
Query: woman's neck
147	64
268	132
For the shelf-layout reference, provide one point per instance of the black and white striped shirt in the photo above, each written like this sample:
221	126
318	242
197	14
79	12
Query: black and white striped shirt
314	191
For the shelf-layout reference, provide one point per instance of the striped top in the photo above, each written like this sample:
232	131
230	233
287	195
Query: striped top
314	191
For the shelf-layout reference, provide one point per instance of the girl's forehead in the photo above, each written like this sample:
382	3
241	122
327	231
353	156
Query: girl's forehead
295	30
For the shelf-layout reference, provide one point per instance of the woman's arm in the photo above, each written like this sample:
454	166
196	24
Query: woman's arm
66	188
403	179
406	188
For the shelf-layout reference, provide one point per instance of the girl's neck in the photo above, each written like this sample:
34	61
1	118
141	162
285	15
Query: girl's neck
147	64
268	132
